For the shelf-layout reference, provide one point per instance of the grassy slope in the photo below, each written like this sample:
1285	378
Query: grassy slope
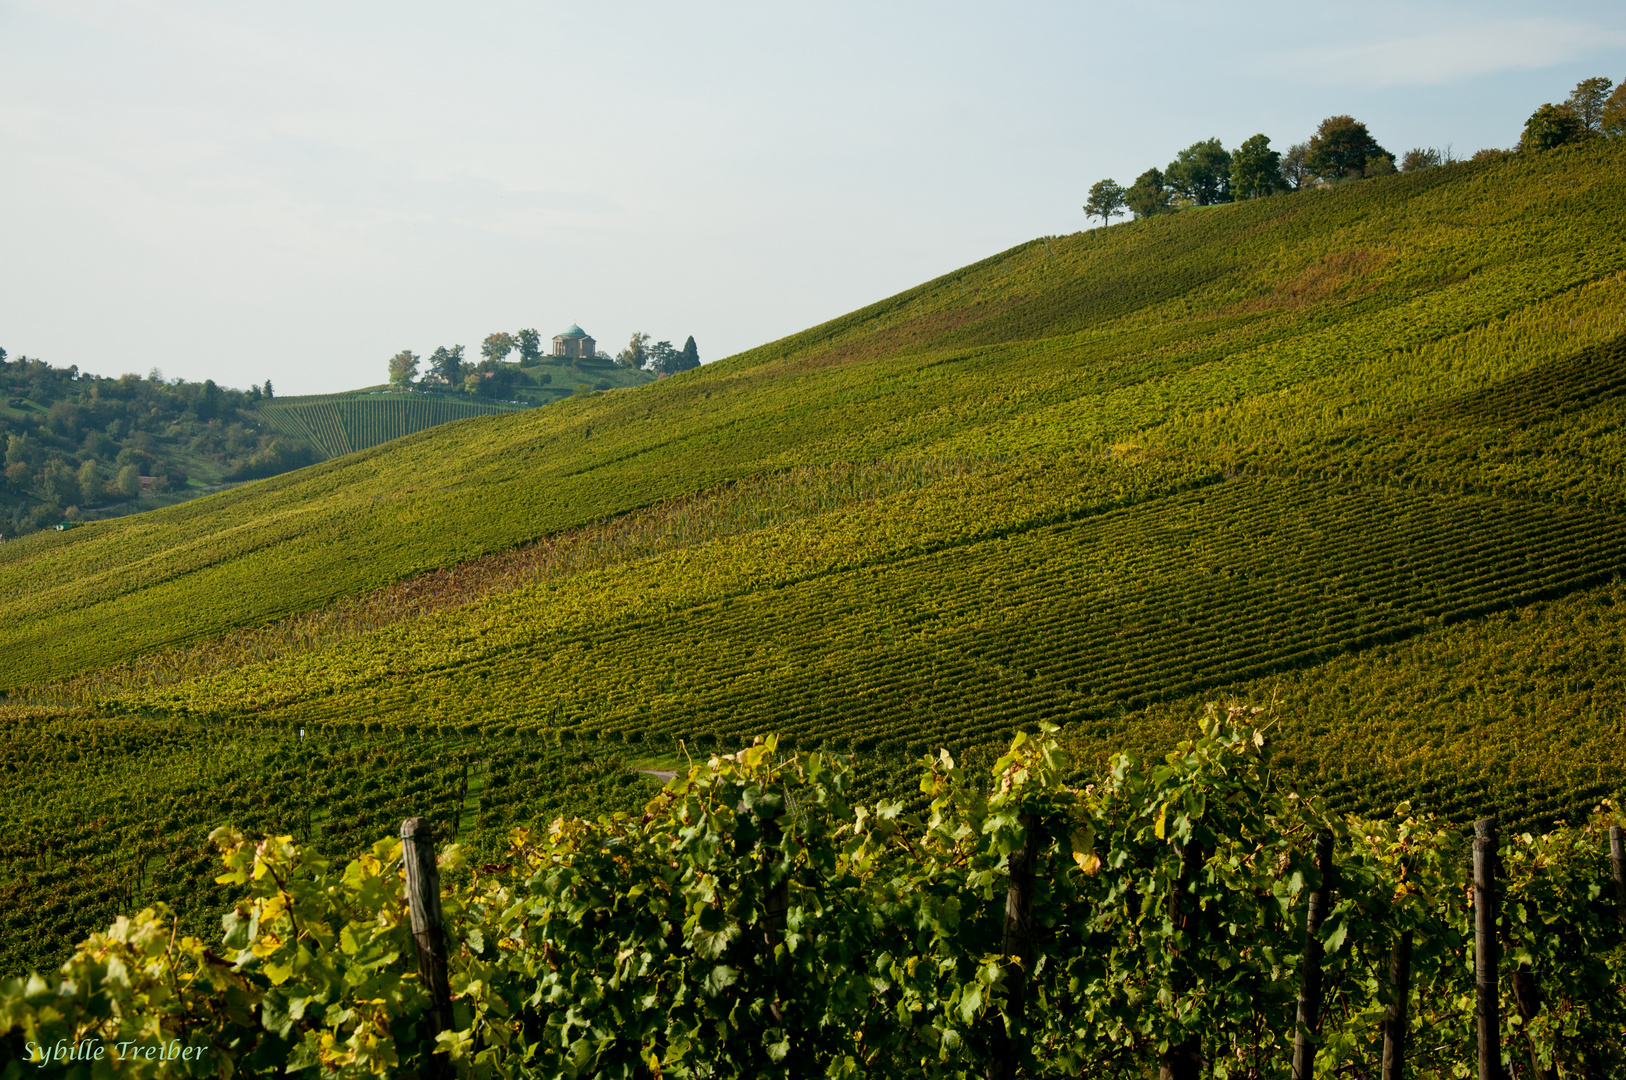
1205	450
565	375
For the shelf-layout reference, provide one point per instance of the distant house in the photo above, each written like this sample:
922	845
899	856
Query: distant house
573	342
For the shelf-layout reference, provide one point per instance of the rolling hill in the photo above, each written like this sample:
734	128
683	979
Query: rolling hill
1353	454
83	447
338	424
80	446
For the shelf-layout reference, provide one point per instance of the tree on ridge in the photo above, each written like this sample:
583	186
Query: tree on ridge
636	354
1420	157
1342	148
1295	170
530	346
1612	117
1587	101
1106	201
663	358
1551	126
1201	173
1256	169
403	368
448	364
496	347
1148	195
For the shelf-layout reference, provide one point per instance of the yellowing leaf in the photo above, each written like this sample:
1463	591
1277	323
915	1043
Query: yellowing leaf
1088	861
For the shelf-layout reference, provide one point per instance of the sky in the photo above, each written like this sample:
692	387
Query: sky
296	191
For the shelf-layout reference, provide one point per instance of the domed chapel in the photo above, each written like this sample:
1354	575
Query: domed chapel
573	341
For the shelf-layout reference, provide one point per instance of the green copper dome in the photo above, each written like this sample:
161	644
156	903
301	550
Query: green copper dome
572	331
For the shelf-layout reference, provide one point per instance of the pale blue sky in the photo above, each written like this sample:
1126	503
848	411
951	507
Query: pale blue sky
295	191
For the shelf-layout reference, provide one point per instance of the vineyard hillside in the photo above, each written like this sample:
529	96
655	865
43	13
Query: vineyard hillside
1350	454
339	424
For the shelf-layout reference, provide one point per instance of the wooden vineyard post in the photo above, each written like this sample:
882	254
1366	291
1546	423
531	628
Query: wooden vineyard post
1184	1060
1617	862
1527	998
1018	948
1487	1005
1395	1023
1309	1008
462	801
428	931
775	908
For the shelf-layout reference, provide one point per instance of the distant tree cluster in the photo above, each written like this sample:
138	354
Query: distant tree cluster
491	377
75	442
496	377
1205	173
1342	150
660	357
1590	112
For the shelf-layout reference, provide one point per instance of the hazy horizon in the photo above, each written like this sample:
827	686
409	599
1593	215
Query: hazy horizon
294	192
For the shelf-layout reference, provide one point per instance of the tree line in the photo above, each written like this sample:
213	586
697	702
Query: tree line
1342	150
1590	112
490	377
661	357
494	376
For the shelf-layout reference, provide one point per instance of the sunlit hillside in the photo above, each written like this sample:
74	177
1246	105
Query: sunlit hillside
1353	454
